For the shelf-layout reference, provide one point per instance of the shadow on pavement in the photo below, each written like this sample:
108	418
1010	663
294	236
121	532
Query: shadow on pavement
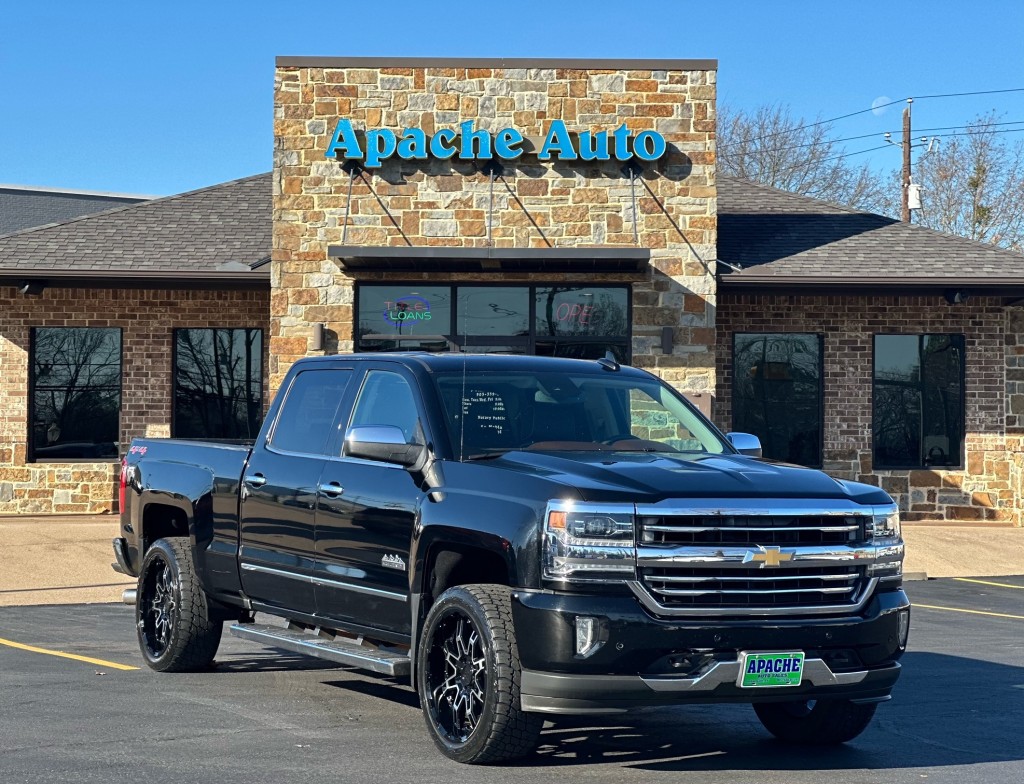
946	710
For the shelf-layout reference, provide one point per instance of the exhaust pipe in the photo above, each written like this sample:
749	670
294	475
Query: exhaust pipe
128	597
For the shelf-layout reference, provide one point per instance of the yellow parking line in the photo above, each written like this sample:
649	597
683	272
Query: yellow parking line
972	612
75	656
988	582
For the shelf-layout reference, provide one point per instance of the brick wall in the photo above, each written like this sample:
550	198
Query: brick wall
445	203
147	319
989	487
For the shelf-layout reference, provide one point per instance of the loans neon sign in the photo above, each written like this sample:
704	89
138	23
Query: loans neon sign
377	145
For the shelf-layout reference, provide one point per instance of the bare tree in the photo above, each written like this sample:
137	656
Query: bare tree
770	146
974	185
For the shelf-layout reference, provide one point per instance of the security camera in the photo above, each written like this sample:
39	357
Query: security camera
957	296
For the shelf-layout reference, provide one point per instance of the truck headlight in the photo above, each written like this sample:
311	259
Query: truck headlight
589	542
885	529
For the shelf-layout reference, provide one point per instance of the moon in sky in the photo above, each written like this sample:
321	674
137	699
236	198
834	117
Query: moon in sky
878	106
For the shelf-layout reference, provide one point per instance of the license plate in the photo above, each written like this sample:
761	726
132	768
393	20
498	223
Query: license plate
760	670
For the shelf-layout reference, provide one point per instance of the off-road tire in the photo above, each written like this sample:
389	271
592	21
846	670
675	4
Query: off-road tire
170	598
502	731
825	723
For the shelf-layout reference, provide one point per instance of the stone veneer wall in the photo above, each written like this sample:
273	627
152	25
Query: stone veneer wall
445	203
147	319
989	487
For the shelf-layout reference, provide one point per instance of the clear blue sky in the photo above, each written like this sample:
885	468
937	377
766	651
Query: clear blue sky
159	98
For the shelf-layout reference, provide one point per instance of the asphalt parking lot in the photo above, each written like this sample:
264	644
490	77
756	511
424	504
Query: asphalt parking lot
265	716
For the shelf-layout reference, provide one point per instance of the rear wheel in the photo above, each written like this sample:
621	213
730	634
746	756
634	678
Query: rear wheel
469	676
815	722
172	615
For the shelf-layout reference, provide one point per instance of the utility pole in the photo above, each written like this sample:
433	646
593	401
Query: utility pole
905	179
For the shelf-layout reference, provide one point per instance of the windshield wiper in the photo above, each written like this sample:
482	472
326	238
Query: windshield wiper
486	455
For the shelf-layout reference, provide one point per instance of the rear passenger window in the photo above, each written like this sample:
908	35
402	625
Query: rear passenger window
387	399
307	417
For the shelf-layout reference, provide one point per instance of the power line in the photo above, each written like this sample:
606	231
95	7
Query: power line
882	106
804	164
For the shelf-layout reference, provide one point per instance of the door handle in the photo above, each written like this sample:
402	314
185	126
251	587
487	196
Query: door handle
255	480
332	489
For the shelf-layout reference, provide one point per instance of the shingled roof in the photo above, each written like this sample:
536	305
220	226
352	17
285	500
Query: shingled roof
216	233
25	206
778	238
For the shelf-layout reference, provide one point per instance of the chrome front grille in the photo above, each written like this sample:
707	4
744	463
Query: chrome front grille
758	557
754	588
751	530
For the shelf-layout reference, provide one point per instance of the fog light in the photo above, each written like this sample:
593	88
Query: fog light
902	628
587	641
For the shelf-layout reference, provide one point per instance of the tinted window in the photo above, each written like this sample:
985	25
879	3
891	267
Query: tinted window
585	322
76	393
218	383
579	311
387	399
777	391
493	310
307	418
404	312
491	412
918	401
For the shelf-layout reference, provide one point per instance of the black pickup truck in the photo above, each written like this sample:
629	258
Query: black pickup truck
520	536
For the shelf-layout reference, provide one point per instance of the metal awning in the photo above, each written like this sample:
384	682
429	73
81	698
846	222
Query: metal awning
445	259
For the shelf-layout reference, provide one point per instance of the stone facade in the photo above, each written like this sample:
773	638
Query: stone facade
147	318
989	487
446	203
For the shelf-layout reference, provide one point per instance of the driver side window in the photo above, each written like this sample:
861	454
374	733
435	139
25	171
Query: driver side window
387	399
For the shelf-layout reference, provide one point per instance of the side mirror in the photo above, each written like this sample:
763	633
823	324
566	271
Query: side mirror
745	443
385	444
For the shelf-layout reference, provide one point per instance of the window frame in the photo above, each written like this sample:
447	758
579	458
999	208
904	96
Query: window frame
821	386
174	382
456	340
962	464
30	456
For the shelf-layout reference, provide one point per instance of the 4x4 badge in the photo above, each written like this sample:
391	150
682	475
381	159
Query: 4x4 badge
393	562
767	556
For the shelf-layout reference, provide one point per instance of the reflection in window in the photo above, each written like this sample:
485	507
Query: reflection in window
308	414
575	310
218	383
76	393
493	311
387	399
581	322
403	312
918	401
777	392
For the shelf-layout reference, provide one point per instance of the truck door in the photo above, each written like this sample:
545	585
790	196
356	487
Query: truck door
279	490
365	516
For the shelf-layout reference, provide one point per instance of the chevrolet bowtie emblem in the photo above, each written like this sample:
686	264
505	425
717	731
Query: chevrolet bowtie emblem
767	556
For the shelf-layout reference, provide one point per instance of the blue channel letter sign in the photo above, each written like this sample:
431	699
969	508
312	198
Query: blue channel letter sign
470	144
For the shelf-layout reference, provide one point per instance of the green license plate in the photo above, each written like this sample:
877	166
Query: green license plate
758	670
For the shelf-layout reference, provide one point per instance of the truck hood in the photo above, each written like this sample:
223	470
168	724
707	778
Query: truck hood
639	477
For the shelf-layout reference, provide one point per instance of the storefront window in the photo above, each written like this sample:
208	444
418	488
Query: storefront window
777	392
404	318
584	322
218	383
75	394
918	401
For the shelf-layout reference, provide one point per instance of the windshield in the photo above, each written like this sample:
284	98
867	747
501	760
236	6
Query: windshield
489	413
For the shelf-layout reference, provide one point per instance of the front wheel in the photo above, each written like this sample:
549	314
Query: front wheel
468	677
815	722
172	615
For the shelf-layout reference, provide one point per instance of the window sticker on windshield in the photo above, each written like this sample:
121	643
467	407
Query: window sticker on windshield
486	409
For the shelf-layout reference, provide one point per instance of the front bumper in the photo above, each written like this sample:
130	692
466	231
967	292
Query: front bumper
645	661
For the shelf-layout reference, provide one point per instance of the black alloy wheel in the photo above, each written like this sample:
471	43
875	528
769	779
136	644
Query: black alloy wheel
468	677
176	630
159	607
